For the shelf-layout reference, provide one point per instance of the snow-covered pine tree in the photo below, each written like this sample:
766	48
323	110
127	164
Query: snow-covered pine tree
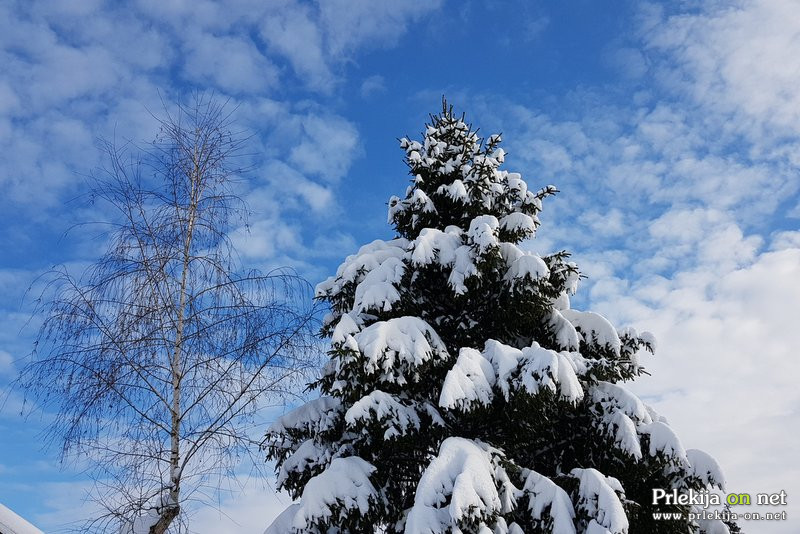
463	394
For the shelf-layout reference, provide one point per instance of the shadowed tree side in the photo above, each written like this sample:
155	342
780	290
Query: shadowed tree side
158	357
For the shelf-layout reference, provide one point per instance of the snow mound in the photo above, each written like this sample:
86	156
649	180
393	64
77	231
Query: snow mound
283	523
436	245
518	223
140	525
542	367
565	334
378	289
482	233
527	266
344	328
463	268
615	397
454	190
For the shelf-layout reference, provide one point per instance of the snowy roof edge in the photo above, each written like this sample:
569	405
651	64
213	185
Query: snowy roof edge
13	523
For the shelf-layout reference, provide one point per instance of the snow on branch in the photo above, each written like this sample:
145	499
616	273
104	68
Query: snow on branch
378	289
464	484
368	258
469	382
397	418
315	416
614	397
664	440
621	412
308	456
533	369
598	503
595	328
549	505
705	467
343	488
395	347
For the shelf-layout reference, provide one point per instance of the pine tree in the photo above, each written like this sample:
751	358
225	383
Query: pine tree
463	394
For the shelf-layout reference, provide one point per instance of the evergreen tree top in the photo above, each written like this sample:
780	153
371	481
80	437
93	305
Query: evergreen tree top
457	177
463	394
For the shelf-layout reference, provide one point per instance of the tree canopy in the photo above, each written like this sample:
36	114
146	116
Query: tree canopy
463	393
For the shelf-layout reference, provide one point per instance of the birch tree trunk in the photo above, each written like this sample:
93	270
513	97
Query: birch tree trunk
158	358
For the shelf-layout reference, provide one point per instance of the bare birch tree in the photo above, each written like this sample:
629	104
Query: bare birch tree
159	356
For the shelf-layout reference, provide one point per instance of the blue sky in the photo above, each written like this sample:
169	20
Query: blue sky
671	130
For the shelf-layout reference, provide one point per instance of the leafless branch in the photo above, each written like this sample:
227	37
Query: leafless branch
157	358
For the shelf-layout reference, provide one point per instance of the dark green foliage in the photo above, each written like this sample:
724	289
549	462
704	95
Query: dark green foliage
457	266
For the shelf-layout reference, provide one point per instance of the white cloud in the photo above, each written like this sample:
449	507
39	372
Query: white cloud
96	76
726	367
296	191
786	239
327	146
735	57
629	61
294	34
59	509
100	77
370	86
255	505
318	40
351	24
6	364
230	63
707	237
535	27
265	238
9	102
607	223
